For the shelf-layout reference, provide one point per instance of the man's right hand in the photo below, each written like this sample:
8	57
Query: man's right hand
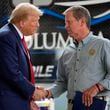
39	94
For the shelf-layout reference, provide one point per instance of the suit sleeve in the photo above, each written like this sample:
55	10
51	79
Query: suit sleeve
9	67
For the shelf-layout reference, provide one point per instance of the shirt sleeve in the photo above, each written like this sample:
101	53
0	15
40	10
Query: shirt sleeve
60	85
106	64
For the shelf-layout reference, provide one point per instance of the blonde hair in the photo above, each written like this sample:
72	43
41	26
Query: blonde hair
22	11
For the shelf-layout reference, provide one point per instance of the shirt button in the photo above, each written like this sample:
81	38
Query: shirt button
77	59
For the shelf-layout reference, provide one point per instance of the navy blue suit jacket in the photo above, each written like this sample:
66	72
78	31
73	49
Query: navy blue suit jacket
15	86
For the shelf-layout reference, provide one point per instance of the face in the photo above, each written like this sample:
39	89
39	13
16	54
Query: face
31	25
72	25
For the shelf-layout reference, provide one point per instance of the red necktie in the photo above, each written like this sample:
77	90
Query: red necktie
30	64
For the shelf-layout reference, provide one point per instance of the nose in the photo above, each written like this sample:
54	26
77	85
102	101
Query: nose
37	24
66	25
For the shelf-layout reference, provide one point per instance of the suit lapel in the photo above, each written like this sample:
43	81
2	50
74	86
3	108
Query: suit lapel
17	37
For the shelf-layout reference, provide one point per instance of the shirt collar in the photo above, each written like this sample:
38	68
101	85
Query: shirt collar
87	38
84	41
19	32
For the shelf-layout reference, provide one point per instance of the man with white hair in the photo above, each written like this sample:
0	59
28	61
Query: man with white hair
85	64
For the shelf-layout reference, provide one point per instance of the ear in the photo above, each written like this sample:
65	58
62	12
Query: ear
22	24
83	21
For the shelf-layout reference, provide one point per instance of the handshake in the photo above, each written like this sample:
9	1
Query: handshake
41	93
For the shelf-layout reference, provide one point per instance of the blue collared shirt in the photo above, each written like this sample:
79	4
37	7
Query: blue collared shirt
82	66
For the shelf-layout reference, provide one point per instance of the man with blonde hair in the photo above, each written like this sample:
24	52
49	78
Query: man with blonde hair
17	89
